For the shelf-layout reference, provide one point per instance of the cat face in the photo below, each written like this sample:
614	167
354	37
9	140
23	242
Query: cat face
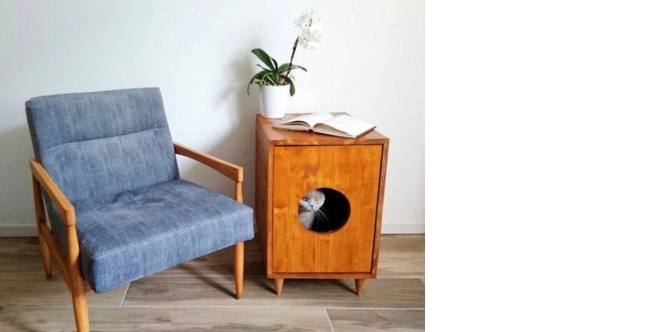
312	201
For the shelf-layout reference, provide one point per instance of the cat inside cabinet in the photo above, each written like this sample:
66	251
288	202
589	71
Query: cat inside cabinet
324	210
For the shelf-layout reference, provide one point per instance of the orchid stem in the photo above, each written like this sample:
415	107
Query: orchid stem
290	65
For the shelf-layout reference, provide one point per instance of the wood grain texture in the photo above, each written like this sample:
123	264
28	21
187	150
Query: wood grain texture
51	292
20	260
402	256
288	165
167	319
12	244
263	191
259	291
351	170
173	300
379	206
377	320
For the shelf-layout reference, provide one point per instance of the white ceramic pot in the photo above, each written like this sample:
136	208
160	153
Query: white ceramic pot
273	100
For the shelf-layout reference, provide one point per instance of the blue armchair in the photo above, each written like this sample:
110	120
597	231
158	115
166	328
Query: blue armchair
106	171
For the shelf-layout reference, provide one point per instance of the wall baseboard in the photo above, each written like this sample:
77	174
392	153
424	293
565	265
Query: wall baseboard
18	231
402	228
386	228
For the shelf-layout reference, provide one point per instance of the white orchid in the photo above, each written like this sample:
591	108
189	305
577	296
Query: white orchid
310	28
309	36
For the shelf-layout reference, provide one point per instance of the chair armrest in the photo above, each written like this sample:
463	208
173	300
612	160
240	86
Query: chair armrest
65	208
230	170
68	261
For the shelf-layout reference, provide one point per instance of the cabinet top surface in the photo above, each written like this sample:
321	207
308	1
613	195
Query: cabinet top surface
287	137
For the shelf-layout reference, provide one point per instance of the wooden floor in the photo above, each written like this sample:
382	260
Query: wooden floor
198	296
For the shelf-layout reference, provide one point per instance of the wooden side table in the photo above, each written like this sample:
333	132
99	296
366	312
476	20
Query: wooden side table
288	165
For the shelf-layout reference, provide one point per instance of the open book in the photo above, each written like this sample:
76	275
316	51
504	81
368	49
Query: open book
325	123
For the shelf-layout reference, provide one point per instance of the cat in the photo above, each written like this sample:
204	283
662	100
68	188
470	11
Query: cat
310	208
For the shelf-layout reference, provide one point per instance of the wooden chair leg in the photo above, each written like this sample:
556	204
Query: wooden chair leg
46	256
278	284
40	216
77	284
239	269
80	303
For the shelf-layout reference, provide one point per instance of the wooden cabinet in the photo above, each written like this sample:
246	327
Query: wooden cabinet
290	164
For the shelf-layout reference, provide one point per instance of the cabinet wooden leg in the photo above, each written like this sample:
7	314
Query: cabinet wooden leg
278	283
358	285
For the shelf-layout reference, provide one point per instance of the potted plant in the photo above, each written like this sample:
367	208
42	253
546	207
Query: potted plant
276	83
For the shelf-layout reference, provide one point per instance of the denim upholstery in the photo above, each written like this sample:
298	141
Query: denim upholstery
146	230
111	154
102	143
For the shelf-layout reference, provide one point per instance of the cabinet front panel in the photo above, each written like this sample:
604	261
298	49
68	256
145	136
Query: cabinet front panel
352	170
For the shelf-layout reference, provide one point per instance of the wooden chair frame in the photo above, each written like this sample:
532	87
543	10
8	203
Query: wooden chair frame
69	264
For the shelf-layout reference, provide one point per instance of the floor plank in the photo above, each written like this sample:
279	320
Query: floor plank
199	295
221	263
401	265
12	244
24	261
51	292
402	256
403	243
166	319
361	320
259	292
23	266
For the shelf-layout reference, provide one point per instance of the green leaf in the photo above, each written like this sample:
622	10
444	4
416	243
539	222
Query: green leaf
251	82
266	59
283	67
276	66
298	67
292	86
263	68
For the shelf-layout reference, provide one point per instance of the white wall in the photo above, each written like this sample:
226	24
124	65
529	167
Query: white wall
371	64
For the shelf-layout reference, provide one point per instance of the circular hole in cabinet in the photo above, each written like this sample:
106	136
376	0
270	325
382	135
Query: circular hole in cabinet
324	210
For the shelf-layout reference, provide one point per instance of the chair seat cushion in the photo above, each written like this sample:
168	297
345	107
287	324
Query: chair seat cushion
143	231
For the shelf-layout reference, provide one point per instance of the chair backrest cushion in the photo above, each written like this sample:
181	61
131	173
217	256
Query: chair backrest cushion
98	144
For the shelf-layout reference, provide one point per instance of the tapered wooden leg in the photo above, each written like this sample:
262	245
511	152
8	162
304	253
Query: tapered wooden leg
80	304
239	269
40	216
76	279
278	283
46	256
358	285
